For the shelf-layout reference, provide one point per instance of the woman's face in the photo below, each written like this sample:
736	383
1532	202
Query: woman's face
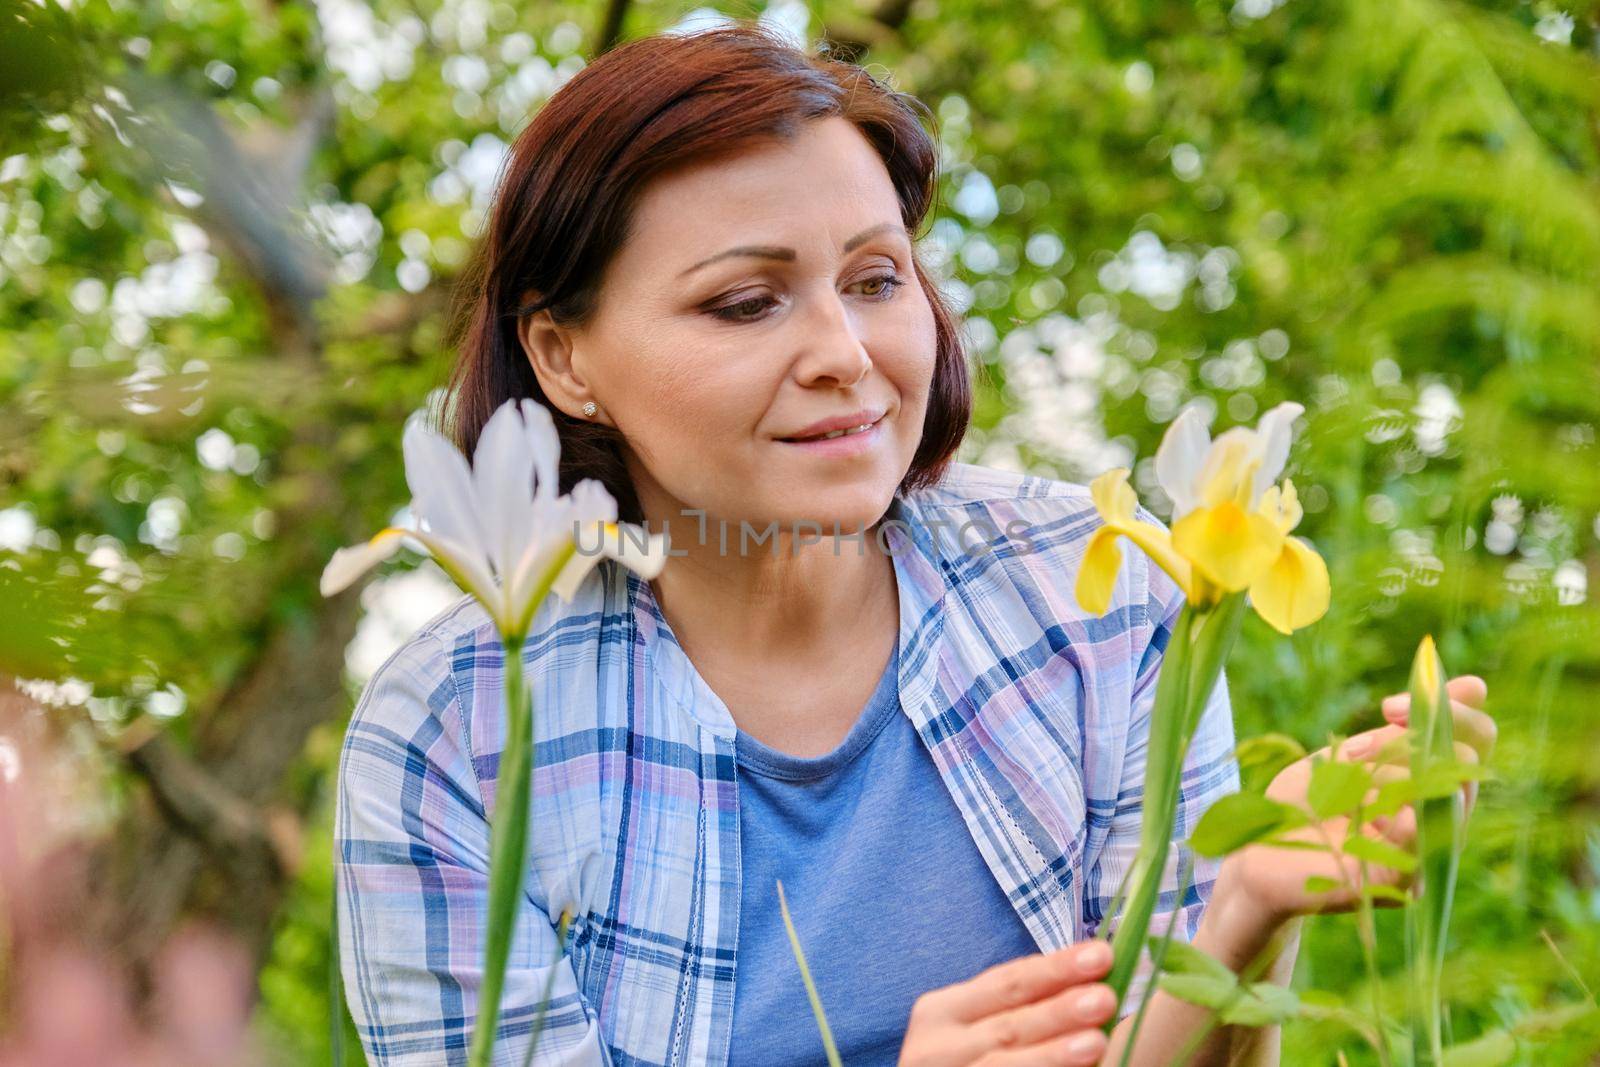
756	297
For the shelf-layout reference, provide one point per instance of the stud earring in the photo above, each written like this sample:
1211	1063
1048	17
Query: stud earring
589	410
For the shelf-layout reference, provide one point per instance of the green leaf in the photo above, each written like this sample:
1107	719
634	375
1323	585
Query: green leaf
1383	853
1236	820
1201	989
1263	1004
1553	1019
1321	883
1491	1050
1183	958
1337	787
1321	999
1261	758
1385	892
1392	796
1277	841
1442	779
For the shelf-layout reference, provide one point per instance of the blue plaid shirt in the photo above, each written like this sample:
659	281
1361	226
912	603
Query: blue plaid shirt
1036	715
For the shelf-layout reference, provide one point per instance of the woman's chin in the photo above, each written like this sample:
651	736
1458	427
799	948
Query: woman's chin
824	509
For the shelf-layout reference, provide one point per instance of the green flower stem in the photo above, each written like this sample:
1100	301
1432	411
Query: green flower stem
1160	801
1193	661
1438	845
508	830
1150	989
508	850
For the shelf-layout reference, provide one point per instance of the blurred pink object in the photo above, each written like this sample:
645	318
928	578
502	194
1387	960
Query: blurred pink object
68	1007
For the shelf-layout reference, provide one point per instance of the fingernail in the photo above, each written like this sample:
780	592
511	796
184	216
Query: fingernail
1094	1003
1358	747
1094	956
1085	1044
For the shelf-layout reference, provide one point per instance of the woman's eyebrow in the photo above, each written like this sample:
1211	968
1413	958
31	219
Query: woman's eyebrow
788	254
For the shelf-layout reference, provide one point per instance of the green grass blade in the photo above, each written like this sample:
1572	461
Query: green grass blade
828	1046
549	984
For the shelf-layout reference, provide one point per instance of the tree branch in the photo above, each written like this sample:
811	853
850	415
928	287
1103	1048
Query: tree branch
850	39
203	808
610	26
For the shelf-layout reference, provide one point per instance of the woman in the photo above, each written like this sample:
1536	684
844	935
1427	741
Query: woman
701	261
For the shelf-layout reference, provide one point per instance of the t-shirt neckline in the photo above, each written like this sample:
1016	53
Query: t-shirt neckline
763	759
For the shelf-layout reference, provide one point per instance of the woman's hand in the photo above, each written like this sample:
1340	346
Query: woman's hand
1274	879
1038	1010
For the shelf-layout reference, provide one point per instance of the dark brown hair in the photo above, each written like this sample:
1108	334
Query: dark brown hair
565	199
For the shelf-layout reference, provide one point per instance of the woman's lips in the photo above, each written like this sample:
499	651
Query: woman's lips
848	444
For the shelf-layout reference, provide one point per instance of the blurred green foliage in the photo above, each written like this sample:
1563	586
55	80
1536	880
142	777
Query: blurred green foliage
228	231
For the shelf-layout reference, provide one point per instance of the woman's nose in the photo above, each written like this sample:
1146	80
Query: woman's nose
832	348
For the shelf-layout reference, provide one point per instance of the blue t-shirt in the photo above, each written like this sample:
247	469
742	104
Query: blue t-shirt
889	894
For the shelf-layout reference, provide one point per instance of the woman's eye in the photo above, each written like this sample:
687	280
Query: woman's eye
730	312
749	309
890	283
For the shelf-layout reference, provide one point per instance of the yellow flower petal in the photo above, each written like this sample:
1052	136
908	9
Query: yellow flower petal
1229	470
1157	544
1113	497
1102	559
1115	500
1294	591
1425	669
1227	544
1282	506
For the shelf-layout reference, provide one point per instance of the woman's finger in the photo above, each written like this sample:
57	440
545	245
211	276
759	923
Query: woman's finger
1079	1008
1071	1050
1476	728
1020	981
1368	742
1469	689
1471	724
1399	828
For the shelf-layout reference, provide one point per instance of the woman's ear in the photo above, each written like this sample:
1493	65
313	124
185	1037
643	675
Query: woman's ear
549	351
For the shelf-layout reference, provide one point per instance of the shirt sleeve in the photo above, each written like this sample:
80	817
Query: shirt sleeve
411	846
1210	771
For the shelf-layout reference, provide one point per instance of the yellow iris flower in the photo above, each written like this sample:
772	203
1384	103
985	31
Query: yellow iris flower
1230	530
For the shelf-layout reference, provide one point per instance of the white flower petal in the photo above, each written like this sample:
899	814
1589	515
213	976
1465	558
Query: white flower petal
532	574
626	543
591	501
502	484
641	554
544	444
1274	433
558	521
350	563
441	487
466	568
1183	451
